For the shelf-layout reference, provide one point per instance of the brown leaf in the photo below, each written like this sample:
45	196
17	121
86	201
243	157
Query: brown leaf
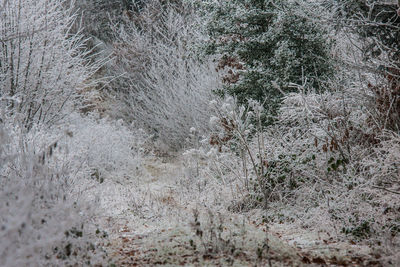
319	260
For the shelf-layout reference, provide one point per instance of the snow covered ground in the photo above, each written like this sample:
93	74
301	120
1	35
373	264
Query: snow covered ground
169	216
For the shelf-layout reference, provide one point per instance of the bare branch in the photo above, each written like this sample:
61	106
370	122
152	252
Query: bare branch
385	189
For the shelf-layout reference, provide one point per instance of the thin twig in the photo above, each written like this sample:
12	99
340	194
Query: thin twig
391	191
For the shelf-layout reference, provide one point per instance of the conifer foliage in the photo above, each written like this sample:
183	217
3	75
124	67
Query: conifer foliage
266	46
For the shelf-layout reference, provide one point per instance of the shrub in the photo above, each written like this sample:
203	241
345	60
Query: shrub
322	161
51	187
41	222
267	46
102	148
165	87
41	63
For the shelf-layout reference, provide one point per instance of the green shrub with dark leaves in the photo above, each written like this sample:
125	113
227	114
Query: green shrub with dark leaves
266	47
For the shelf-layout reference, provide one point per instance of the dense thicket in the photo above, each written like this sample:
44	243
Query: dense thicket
162	84
331	153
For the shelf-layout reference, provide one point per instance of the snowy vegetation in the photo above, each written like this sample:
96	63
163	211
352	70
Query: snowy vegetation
201	128
268	47
162	73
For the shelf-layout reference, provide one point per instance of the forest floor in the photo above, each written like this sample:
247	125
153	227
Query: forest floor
167	218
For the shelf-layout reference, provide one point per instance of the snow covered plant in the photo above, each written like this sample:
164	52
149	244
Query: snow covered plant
322	156
326	158
41	63
234	150
166	87
267	46
41	222
102	148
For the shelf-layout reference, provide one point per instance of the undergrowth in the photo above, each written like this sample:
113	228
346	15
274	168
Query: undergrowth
321	166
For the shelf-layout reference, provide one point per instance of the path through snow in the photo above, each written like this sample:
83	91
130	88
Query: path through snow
169	216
